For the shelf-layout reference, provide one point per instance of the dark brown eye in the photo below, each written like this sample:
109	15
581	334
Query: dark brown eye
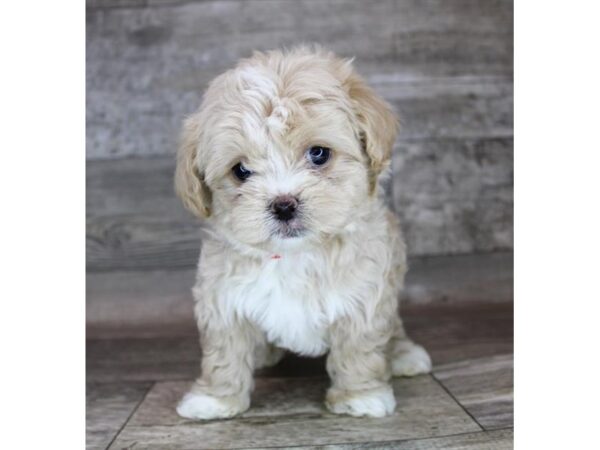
318	155
240	172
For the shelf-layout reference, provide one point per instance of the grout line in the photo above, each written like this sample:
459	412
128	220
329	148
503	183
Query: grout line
131	414
456	400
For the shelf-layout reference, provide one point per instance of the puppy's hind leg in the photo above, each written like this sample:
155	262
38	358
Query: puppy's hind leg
268	355
407	359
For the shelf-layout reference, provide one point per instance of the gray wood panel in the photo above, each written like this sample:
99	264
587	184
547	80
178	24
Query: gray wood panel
117	360
446	65
140	304
452	196
108	406
147	67
159	302
294	416
134	220
453	193
461	107
469	278
459	332
484	387
455	196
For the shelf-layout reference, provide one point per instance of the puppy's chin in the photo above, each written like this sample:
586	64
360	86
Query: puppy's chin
272	237
289	235
281	244
289	230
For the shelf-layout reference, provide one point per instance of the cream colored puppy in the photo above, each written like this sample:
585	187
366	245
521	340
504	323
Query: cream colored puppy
282	160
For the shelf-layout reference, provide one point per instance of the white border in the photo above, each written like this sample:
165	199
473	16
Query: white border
557	125
557	211
42	182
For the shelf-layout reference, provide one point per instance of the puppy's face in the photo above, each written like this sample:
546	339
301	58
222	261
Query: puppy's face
285	148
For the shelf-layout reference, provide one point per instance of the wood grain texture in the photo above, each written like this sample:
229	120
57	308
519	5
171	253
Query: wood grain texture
459	332
108	406
159	302
139	304
445	65
147	66
451	197
285	418
460	107
455	196
490	440
484	387
115	360
134	220
449	332
471	278
470	345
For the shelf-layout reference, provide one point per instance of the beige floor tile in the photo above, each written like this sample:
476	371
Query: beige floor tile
484	387
108	406
290	412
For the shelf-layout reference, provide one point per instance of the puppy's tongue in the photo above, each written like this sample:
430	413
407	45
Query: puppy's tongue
276	256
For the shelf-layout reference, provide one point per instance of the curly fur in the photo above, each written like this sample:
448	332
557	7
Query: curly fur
332	289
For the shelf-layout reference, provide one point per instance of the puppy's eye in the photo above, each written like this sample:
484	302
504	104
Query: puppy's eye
240	172
318	155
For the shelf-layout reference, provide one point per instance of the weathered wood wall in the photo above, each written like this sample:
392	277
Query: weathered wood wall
446	65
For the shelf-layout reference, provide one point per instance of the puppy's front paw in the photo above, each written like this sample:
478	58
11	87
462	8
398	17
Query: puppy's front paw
199	406
409	359
377	402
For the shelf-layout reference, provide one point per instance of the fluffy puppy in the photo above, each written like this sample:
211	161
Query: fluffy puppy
282	161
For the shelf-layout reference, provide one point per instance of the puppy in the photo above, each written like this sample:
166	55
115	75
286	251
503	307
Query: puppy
282	161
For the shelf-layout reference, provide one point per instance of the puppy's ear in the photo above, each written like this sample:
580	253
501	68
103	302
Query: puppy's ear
379	126
189	178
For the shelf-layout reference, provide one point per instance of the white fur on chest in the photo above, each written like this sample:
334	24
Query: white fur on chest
290	300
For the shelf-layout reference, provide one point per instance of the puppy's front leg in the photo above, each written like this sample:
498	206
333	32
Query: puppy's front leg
359	370
223	389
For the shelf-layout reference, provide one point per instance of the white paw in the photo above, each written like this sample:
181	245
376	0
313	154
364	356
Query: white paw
409	359
200	406
378	402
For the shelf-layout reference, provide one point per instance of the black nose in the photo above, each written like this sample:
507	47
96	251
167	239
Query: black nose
284	207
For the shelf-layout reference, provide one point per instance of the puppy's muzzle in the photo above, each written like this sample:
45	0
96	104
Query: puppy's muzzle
284	208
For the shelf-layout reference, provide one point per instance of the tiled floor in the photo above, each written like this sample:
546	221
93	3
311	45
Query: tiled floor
466	403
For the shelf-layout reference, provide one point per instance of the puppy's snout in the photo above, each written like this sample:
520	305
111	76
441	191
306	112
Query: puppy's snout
284	207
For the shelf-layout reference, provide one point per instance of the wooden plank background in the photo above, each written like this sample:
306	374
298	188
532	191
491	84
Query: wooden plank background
445	65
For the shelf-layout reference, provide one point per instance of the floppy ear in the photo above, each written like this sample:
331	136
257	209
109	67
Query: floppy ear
189	179
379	126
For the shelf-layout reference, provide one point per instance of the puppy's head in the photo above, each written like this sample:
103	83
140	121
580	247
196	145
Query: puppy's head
285	147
